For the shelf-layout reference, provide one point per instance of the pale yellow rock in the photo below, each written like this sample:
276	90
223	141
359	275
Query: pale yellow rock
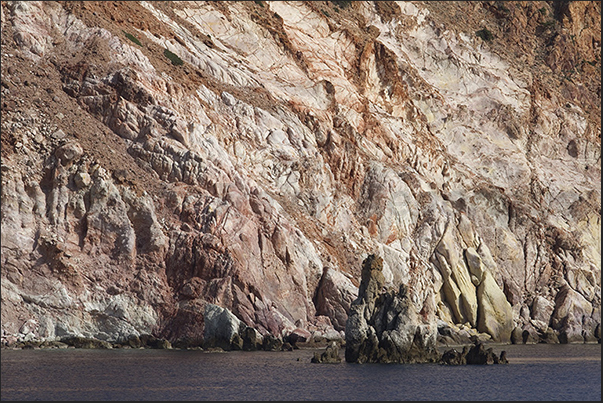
459	275
495	315
476	267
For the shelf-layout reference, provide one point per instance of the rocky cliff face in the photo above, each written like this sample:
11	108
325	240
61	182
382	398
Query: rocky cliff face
158	157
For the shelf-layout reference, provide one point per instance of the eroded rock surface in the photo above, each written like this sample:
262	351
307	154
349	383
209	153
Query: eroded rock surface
385	326
329	356
294	140
477	354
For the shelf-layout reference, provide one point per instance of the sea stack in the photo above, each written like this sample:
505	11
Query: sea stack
384	326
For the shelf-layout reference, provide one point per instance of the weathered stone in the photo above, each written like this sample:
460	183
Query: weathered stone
542	309
495	315
252	340
477	354
329	356
221	329
458	287
522	336
84	342
69	152
334	296
299	336
385	326
571	310
453	357
82	180
548	336
272	343
59	134
161	344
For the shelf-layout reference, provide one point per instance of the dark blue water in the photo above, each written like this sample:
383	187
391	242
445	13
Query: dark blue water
535	372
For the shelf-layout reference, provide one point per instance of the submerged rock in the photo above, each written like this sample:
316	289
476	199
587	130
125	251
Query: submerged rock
476	355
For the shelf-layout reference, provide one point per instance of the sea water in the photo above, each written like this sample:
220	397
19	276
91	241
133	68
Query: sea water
535	372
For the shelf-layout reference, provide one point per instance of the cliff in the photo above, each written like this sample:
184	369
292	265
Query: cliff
158	157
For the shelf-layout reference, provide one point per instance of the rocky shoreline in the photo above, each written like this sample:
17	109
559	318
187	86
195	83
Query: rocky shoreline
383	326
268	343
227	201
150	342
323	351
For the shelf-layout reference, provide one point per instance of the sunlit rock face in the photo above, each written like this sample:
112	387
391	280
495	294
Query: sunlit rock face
158	157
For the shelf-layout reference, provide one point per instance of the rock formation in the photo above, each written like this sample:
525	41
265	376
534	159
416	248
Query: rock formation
477	354
160	158
329	356
385	326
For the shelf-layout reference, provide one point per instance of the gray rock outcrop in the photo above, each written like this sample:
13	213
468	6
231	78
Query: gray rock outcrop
225	331
329	356
384	325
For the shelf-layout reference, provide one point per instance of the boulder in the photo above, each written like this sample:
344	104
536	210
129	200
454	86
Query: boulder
517	335
69	152
453	357
542	309
477	354
252	339
571	311
329	356
222	329
334	296
272	343
548	336
82	180
299	336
